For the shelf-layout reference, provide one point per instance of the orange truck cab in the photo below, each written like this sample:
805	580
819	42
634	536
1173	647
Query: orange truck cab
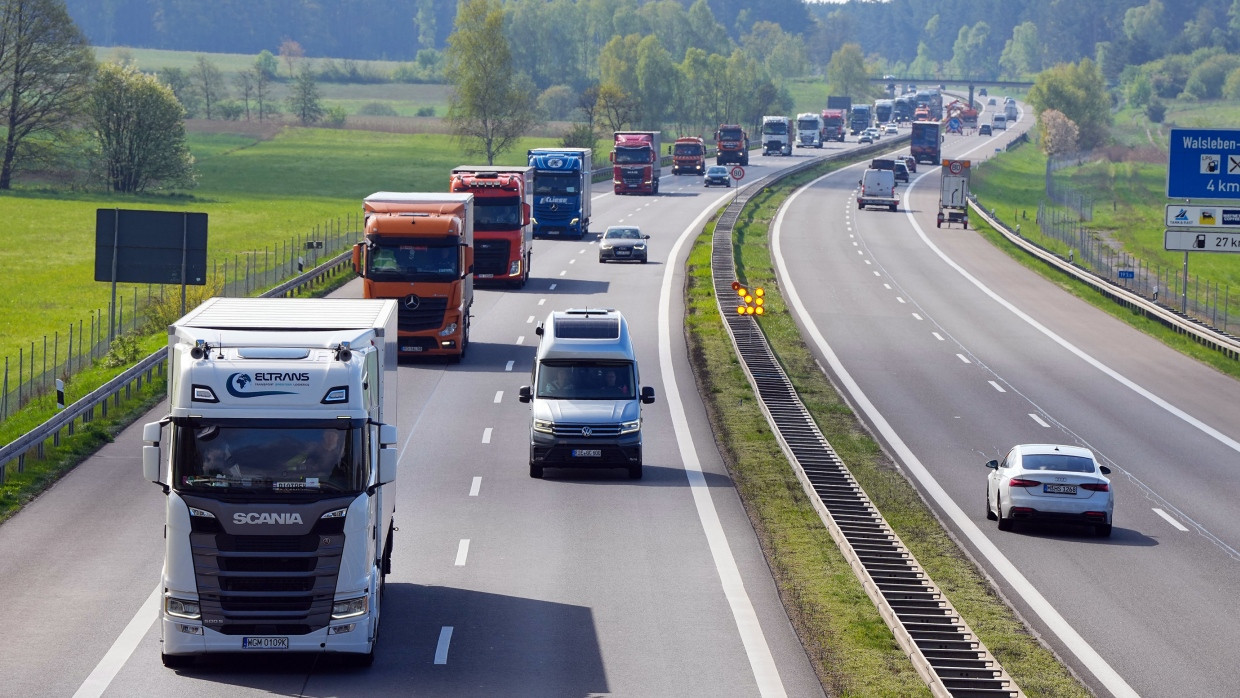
689	155
419	249
503	234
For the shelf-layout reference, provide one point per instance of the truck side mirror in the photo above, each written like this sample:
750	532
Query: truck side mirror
151	433
612	157
647	395
525	394
387	435
526	218
387	465
357	258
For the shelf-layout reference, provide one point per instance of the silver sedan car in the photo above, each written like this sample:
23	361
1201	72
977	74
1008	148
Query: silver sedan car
623	242
1048	482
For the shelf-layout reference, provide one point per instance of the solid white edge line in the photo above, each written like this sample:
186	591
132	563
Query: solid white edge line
1057	624
761	662
1170	520
441	649
107	668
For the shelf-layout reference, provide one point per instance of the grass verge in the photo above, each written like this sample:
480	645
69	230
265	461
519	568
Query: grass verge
852	650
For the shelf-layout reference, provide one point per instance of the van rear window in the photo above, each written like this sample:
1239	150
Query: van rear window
588	328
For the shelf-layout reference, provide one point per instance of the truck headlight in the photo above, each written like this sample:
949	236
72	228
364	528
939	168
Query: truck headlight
514	268
349	608
182	608
449	330
630	427
544	426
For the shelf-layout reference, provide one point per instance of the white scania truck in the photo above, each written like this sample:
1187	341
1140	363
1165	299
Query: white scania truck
277	460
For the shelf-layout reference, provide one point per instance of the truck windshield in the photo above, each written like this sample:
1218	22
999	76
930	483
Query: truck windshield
808	124
556	183
265	458
775	128
497	213
688	149
585	380
730	134
402	262
632	156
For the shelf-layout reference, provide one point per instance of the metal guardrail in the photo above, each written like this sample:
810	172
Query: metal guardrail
943	649
84	409
1225	343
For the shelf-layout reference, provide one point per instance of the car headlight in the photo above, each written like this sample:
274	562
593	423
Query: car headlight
639	247
544	426
630	427
182	608
349	608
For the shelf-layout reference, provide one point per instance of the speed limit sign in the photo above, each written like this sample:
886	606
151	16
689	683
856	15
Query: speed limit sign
956	166
738	172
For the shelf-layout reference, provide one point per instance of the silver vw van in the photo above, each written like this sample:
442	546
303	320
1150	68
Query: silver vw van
585	396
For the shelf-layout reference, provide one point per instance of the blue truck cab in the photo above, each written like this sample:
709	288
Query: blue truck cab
562	179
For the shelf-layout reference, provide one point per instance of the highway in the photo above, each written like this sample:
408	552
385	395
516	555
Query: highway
583	583
953	352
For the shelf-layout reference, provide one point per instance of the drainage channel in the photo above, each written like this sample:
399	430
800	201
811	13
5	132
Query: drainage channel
945	651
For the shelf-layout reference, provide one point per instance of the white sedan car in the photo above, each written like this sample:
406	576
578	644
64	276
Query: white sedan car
1047	482
891	130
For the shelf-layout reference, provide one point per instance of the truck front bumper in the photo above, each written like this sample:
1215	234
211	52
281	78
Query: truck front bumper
189	637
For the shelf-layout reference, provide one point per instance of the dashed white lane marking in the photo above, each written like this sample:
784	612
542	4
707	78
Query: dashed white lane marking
508	366
916	316
562	273
542	300
462	552
441	650
499	396
937	336
520	340
475	486
486	435
529	319
1170	520
552	287
963	358
901	299
1039	420
996	386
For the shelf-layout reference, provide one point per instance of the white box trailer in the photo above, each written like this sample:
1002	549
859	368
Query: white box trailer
276	458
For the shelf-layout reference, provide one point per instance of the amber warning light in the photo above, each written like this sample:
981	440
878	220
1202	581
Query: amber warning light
750	300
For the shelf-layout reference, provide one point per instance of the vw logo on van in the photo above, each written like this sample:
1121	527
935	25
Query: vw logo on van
586	431
412	301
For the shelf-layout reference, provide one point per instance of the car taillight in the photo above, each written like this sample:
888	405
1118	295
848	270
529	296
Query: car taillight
1022	482
1096	486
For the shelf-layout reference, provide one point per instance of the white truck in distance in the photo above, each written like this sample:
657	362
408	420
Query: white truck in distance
276	459
777	135
809	130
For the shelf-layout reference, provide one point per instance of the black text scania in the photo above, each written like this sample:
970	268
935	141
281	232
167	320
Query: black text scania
277	459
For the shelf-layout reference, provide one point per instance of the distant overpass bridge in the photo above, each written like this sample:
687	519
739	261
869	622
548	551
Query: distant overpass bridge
967	82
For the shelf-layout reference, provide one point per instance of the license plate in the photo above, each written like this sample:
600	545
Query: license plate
587	453
623	253
264	643
484	276
413	348
1059	489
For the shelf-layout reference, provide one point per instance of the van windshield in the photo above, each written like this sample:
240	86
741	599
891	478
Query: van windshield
582	380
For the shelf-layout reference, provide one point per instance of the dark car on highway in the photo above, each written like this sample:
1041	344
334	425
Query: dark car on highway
716	174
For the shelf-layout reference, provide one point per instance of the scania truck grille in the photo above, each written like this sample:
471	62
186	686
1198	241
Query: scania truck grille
267	584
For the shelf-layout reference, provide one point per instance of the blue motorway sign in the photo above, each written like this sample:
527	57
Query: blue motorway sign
1203	163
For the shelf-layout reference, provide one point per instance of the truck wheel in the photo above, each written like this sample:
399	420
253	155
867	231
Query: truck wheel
965	224
176	661
892	208
536	471
938	223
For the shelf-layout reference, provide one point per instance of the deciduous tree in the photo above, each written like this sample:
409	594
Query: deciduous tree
304	101
140	129
1078	91
209	83
492	106
45	69
1059	134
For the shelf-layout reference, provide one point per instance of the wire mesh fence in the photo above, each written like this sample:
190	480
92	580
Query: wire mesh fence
35	369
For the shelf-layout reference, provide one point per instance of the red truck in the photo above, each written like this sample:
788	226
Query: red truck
733	145
503	235
834	124
636	162
689	155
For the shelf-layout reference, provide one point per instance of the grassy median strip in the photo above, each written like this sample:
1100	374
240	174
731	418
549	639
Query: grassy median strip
853	651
